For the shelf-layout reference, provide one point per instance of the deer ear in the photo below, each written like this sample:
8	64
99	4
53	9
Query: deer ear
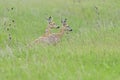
65	20
50	18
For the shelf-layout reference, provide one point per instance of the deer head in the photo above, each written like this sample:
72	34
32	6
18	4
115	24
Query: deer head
66	27
52	24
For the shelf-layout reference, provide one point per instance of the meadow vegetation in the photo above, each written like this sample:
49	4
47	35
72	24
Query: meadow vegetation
90	52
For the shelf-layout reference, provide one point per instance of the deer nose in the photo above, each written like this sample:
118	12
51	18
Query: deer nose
70	29
58	26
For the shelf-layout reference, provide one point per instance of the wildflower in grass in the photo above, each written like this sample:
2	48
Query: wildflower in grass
10	24
8	29
10	37
12	8
13	21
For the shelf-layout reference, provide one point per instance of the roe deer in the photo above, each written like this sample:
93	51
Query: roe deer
51	25
54	37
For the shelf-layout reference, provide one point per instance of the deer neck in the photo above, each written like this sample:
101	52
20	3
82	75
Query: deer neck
47	31
48	28
61	33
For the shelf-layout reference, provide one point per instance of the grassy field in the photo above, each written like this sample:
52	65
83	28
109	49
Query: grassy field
90	52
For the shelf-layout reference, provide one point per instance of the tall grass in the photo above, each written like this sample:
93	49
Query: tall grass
90	52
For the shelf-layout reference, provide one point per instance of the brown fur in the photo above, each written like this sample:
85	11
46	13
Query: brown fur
52	38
